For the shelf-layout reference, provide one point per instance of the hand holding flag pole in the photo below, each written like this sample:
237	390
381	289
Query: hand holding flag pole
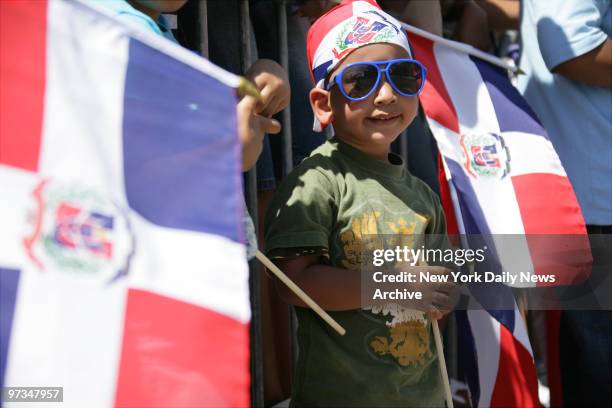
246	87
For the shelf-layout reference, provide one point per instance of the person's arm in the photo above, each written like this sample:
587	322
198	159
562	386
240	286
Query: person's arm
422	14
592	68
501	14
251	130
338	289
332	288
473	26
572	41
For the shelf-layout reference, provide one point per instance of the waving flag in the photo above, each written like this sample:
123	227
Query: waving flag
504	177
499	161
123	277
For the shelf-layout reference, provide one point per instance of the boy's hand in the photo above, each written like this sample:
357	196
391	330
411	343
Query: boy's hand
251	130
439	298
272	82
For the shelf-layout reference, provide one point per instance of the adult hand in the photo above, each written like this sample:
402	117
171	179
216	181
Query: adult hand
272	82
251	130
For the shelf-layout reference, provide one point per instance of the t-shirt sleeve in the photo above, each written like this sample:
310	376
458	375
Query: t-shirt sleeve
300	218
567	29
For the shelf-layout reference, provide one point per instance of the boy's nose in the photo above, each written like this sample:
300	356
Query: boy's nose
385	94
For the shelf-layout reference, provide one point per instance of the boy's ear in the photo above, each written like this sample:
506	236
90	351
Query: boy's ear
320	101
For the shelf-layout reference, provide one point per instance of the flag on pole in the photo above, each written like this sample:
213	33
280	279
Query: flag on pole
503	176
123	276
500	162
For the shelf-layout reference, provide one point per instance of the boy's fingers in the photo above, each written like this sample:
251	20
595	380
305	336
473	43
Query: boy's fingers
454	292
435	314
447	287
437	270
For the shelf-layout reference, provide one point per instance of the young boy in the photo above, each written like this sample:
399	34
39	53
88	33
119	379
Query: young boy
367	86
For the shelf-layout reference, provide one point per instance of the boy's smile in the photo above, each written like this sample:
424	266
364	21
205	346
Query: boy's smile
371	124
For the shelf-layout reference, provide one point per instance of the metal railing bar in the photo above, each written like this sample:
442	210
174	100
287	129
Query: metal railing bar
203	27
257	386
287	156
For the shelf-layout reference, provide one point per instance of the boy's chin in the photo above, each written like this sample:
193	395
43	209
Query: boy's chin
384	134
383	137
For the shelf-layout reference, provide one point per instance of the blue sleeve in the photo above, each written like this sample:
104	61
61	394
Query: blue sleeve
141	21
125	12
568	28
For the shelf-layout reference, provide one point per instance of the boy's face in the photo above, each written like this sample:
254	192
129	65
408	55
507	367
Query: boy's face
373	123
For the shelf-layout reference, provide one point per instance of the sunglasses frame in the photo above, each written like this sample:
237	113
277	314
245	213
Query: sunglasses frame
377	64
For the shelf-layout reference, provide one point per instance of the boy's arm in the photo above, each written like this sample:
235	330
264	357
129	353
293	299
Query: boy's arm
338	289
332	288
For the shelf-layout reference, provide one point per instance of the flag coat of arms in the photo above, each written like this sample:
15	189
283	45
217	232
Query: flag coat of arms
123	276
501	176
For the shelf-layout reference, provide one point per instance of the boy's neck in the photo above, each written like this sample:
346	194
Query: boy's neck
378	152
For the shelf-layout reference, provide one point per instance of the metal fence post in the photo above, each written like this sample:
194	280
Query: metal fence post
257	397
287	156
287	149
203	28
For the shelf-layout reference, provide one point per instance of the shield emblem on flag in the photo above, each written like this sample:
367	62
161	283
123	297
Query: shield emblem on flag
485	155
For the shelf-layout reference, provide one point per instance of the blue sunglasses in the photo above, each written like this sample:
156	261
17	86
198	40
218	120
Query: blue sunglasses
359	80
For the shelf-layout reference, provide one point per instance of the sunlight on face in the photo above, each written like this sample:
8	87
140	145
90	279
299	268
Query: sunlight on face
374	123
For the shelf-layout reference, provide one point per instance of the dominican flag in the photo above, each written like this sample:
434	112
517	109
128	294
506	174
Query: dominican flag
501	175
510	189
123	277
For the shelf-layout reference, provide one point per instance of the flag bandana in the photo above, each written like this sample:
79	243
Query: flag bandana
123	275
343	29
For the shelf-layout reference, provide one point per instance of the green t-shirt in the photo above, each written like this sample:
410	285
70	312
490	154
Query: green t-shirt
325	206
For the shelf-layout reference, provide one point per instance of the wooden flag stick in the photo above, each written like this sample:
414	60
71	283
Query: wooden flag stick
443	372
299	292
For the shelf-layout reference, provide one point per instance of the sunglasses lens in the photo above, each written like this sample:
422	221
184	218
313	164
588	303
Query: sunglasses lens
407	77
358	80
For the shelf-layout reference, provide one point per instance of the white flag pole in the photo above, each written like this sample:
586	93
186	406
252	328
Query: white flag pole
462	47
443	372
299	292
